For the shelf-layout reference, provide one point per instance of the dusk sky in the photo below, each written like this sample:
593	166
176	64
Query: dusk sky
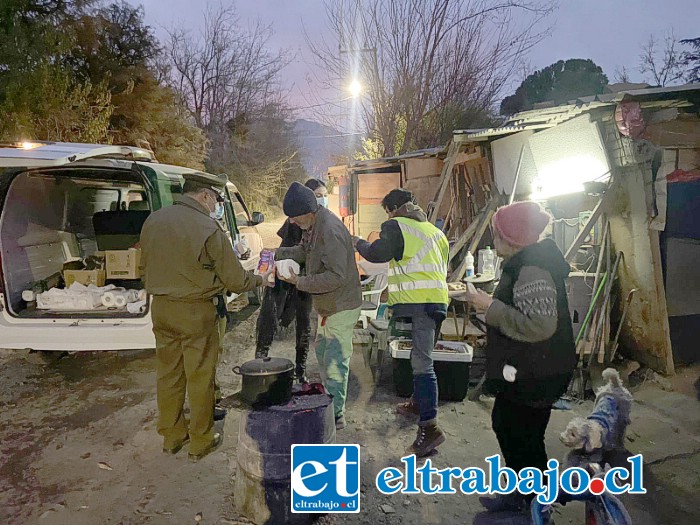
610	32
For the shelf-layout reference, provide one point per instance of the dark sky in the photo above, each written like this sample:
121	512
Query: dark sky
610	32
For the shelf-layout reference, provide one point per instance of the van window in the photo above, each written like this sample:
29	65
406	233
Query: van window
240	212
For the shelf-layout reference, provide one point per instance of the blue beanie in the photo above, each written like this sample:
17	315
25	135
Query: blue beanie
299	200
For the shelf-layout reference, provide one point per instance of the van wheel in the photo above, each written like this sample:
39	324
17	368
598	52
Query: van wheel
255	296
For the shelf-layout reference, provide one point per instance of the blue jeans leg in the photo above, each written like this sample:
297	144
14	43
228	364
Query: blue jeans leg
425	389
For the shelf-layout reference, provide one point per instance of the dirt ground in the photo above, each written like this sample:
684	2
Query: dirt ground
78	444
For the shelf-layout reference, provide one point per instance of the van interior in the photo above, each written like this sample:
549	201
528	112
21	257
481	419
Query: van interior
51	217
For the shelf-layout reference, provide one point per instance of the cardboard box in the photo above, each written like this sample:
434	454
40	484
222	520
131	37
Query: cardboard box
123	264
86	277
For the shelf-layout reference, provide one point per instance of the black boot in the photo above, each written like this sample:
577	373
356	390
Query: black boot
300	369
300	373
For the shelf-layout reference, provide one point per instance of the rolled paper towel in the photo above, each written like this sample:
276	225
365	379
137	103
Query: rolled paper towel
120	301
131	296
108	299
137	307
28	296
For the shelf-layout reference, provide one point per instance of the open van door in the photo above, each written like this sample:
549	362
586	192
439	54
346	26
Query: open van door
47	154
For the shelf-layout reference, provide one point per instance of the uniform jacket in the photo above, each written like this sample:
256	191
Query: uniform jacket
186	256
329	259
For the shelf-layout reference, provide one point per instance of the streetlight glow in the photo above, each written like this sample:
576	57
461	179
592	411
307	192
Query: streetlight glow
355	88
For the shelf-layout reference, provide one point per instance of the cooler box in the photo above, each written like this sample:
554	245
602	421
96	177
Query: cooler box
451	361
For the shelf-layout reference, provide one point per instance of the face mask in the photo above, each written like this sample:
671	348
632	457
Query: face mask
322	201
218	212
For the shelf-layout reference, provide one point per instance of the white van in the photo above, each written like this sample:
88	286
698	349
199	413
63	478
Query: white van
61	202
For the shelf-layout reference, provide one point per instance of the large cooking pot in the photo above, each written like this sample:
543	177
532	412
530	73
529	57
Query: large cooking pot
267	381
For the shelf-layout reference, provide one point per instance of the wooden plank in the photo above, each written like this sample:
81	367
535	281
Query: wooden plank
483	224
471	229
445	176
597	211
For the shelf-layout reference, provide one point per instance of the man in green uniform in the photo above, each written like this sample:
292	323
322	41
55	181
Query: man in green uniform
188	264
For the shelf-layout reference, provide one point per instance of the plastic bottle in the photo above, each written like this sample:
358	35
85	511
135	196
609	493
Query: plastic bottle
489	262
470	264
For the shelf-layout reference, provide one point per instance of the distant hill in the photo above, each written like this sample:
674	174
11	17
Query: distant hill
321	146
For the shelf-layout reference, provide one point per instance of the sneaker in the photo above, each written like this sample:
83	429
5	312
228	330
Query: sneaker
503	502
408	408
215	443
219	413
340	422
178	446
429	437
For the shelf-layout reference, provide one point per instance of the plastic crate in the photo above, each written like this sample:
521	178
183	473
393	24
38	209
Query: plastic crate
451	369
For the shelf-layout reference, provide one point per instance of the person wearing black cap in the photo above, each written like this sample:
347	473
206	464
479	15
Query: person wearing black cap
332	279
285	302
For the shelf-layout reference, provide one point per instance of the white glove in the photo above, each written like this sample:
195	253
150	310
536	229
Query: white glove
509	373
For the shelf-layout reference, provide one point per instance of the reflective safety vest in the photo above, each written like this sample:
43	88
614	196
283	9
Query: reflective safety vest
421	275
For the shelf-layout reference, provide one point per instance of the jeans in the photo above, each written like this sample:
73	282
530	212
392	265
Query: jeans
280	305
333	351
426	328
520	432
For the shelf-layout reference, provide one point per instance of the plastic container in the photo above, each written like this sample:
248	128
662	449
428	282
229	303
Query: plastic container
487	261
470	264
451	367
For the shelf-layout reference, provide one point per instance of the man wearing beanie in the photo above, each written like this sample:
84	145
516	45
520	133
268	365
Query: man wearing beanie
332	279
417	253
530	351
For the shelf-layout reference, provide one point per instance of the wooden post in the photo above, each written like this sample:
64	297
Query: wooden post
445	177
483	223
597	211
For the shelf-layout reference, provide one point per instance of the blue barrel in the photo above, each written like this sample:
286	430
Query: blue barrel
262	489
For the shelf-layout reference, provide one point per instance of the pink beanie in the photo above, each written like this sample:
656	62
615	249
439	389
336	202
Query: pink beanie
521	223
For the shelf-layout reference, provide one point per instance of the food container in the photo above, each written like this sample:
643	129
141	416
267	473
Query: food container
267	381
285	267
451	361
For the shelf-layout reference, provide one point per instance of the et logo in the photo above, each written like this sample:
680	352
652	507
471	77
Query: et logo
325	478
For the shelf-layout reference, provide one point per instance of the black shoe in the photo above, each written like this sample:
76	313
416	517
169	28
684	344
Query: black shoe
429	437
178	446
215	443
503	502
340	423
300	373
219	413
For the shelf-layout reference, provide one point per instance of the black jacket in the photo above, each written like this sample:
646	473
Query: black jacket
544	368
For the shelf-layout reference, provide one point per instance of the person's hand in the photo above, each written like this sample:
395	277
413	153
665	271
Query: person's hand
292	278
355	239
509	373
480	300
269	277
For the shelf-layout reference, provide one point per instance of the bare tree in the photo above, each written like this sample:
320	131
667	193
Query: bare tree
664	66
622	74
229	79
226	74
423	59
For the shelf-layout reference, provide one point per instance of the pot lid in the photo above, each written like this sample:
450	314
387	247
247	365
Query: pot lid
266	366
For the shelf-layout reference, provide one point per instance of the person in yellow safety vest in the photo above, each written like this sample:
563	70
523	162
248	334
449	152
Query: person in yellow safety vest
417	253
